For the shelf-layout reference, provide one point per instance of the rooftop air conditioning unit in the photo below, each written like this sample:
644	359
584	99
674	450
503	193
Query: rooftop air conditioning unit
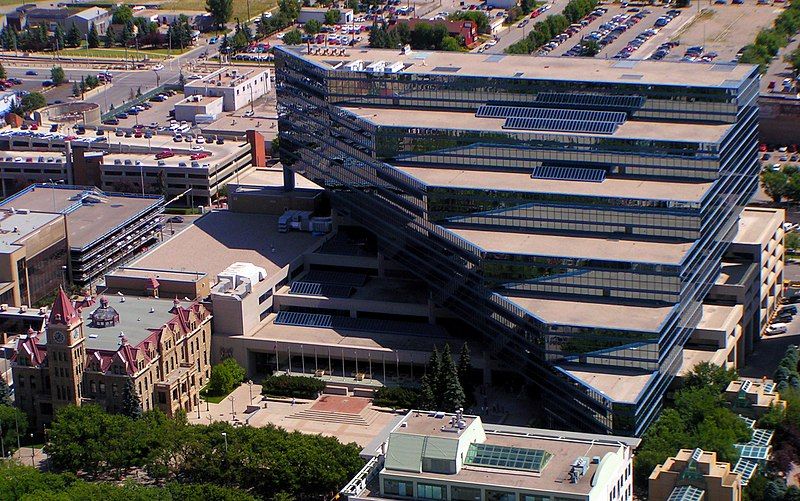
4	307
23	308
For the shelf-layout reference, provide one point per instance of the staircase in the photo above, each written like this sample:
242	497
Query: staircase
365	418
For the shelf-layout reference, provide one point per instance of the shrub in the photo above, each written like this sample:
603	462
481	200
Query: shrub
292	386
397	397
225	377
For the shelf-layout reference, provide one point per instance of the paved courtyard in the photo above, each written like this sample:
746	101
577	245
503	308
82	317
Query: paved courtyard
284	413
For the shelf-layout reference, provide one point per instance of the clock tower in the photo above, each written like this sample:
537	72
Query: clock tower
66	351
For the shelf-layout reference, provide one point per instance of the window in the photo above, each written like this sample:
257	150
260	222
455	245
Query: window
500	496
398	487
464	493
533	497
430	491
162	397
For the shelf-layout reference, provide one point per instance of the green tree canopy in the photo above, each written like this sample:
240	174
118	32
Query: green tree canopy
220	10
225	376
293	37
92	38
774	184
131	403
73	38
12	420
122	14
312	27
711	375
333	16
57	75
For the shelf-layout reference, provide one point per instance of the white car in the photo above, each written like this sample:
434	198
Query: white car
491	43
158	67
249	113
776	329
200	140
268	15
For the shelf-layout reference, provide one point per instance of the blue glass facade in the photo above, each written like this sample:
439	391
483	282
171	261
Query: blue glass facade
450	196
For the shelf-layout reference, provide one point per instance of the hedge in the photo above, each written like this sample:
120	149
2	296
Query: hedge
397	397
292	386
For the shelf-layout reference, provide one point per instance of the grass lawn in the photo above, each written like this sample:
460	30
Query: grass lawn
117	53
239	7
216	399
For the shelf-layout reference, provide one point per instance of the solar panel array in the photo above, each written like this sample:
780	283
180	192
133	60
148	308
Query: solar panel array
515	458
749	422
761	437
491	111
325	321
686	493
756	452
569	174
318	289
590	100
746	467
697	454
746	385
769	387
545	124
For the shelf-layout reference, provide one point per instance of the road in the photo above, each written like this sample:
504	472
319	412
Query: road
124	81
513	34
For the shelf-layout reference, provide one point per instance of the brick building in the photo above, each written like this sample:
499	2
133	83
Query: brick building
89	351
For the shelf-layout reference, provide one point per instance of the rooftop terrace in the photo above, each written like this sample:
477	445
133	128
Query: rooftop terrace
613	249
511	181
222	237
756	224
631	129
547	68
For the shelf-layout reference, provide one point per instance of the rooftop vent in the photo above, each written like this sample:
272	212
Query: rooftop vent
578	468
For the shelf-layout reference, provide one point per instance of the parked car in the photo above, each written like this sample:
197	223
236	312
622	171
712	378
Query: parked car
31	73
775	329
164	154
175	219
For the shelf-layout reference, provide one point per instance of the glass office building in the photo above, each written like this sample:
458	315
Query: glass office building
575	211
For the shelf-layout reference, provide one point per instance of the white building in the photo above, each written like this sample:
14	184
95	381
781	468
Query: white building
238	88
435	455
318	14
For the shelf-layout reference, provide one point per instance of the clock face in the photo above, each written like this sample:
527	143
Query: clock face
58	337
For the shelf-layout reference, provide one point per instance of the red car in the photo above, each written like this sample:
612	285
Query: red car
164	154
762	147
200	156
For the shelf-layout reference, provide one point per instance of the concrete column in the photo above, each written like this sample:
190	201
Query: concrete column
288	179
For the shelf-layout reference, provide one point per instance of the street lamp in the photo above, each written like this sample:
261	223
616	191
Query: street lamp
233	410
250	384
32	449
225	437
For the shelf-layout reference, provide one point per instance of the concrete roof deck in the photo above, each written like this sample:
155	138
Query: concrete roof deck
198	99
149	160
135	319
733	273
512	181
25	224
546	68
554	477
322	337
611	249
220	238
32	154
595	314
115	144
89	221
631	129
261	176
757	224
719	317
620	386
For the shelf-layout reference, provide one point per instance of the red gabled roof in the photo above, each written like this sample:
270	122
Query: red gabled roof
36	352
63	311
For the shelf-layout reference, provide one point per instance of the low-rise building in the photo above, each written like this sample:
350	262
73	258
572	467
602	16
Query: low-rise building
468	30
238	88
198	108
437	455
752	398
694	474
34	255
318	14
103	230
90	355
83	20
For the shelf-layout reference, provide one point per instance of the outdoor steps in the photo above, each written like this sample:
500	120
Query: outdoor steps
365	418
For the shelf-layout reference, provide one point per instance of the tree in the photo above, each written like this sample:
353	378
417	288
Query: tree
73	37
111	37
465	371
57	75
589	48
131	404
450	44
427	400
58	37
11	420
220	10
333	16
312	27
30	102
5	393
774	184
76	89
122	14
225	377
294	37
480	19
452	396
712	375
3	71
92	38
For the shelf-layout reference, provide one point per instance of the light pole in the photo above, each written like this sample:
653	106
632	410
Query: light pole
233	410
32	449
225	437
250	384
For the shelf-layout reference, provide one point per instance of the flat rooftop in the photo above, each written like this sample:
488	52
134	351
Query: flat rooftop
554	477
610	249
424	341
87	222
271	177
148	160
631	129
512	181
222	237
159	142
594	314
225	77
757	225
733	273
546	68
718	317
619	386
198	99
15	228
135	320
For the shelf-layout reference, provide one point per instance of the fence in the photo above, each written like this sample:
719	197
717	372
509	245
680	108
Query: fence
141	99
